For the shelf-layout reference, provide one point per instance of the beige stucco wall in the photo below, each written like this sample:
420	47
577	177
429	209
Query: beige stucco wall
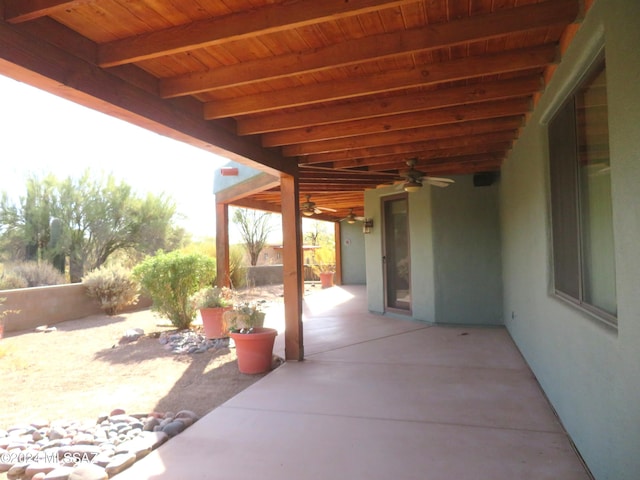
49	305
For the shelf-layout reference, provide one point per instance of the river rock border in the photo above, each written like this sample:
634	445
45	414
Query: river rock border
75	450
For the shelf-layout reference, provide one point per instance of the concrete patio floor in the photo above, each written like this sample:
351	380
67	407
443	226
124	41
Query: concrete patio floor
378	398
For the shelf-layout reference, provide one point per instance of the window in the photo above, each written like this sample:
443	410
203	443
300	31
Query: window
581	207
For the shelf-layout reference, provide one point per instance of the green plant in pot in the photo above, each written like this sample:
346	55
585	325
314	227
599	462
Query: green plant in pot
324	265
212	303
254	343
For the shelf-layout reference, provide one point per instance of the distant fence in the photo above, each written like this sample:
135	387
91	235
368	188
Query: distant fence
50	305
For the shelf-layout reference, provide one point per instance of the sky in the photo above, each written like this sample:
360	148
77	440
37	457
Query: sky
42	133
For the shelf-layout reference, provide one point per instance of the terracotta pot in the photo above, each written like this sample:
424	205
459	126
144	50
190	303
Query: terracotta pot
326	279
214	325
255	350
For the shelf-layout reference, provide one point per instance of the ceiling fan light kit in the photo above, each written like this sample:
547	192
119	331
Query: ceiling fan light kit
412	186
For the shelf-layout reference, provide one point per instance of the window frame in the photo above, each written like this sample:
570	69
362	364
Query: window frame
558	226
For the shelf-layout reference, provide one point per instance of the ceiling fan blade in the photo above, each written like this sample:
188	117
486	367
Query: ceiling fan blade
327	209
441	179
437	183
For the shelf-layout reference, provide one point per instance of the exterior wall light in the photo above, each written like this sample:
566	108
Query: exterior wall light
367	225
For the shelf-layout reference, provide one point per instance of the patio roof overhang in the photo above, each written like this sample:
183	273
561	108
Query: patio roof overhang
345	92
331	97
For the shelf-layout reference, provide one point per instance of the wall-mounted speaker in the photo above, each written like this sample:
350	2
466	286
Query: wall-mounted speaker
484	179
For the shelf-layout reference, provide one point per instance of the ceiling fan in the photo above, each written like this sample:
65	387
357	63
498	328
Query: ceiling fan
308	208
352	217
414	179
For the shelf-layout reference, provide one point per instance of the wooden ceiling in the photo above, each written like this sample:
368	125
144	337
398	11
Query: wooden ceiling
347	90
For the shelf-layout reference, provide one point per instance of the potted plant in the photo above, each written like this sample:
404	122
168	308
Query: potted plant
254	343
212	302
324	266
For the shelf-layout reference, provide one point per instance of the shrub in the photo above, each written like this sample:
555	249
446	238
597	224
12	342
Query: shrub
171	278
9	281
37	274
113	287
325	260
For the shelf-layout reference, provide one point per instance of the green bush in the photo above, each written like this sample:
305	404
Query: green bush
113	287
37	274
9	281
171	278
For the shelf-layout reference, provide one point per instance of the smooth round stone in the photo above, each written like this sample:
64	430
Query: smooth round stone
150	424
187	414
60	473
120	462
174	428
88	471
57	433
18	469
36	468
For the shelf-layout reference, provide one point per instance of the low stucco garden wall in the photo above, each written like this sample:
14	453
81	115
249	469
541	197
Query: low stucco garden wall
50	305
263	275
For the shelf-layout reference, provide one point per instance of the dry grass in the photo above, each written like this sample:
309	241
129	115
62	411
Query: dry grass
80	372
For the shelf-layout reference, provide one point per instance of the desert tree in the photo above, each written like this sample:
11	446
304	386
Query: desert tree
85	221
254	227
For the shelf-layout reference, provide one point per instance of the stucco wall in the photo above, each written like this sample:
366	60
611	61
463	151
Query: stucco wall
263	275
51	305
353	259
455	253
590	372
466	246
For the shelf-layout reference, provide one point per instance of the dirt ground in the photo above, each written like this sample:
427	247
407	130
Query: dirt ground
80	371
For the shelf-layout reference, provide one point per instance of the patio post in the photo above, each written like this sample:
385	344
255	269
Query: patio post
222	245
337	278
292	267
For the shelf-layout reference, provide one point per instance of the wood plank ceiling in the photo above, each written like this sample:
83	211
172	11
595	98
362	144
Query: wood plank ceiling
348	90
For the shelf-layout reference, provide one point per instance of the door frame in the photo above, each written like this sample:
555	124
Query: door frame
385	281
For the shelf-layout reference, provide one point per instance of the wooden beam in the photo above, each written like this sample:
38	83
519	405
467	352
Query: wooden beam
398	163
428	118
48	67
18	11
389	81
258	183
476	127
376	47
325	187
444	162
236	26
292	267
377	155
379	107
462	168
257	205
223	278
328	175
